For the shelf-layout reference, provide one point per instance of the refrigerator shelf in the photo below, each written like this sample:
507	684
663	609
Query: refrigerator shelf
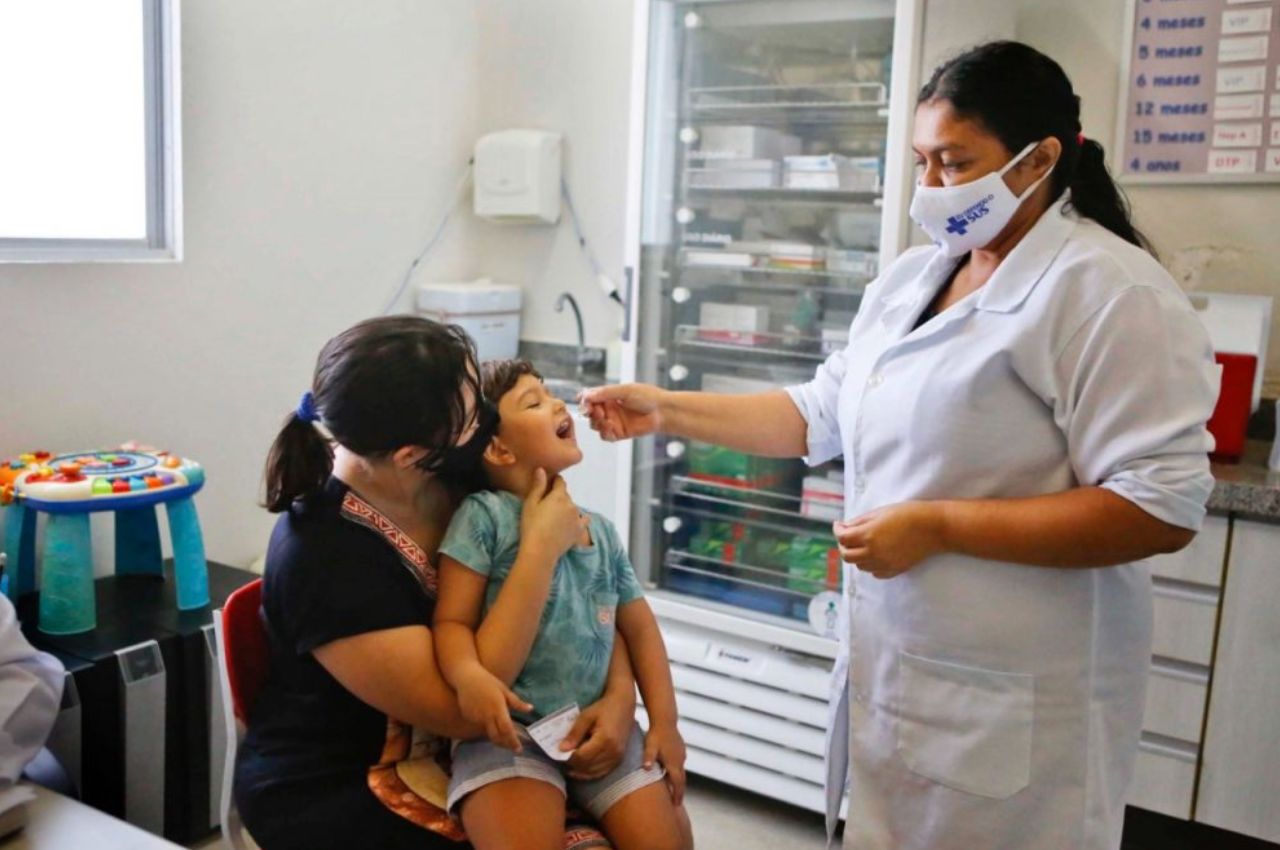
757	284
691	488
688	337
856	279
700	565
766	574
669	508
832	103
794	197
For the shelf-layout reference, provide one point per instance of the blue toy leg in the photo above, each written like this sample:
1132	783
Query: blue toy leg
189	566
20	549
138	543
66	586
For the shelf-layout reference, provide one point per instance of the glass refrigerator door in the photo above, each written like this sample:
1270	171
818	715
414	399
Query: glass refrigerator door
762	223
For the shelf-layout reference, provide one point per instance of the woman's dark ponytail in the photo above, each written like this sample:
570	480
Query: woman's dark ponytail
378	387
298	464
1095	195
1021	96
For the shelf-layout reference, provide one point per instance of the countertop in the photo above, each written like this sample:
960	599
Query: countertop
1247	489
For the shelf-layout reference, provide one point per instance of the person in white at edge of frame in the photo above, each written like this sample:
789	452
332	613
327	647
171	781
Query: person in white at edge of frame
30	693
1021	411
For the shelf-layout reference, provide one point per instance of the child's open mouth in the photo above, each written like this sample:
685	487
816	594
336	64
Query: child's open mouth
565	430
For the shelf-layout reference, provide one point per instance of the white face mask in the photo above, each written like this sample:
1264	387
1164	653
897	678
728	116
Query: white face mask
961	218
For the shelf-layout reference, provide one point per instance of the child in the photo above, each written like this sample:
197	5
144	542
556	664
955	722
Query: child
556	651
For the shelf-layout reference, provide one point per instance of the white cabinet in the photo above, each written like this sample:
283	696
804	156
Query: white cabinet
1240	770
1203	561
1164	777
1186	596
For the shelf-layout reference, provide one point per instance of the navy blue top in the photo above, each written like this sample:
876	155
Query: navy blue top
335	568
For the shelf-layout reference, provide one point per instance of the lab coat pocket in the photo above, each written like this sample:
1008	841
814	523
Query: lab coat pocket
966	728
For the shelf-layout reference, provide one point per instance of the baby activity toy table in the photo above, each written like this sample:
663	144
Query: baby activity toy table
128	482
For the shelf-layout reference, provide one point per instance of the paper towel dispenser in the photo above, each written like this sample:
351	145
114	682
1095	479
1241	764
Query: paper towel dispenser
517	177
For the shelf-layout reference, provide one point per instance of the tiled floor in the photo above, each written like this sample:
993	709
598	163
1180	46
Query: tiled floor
726	817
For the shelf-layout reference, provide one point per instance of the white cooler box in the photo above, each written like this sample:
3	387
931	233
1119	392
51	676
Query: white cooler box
489	312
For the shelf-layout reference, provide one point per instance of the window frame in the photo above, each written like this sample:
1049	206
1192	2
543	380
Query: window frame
161	21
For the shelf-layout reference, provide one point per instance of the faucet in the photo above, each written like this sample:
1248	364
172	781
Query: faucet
566	298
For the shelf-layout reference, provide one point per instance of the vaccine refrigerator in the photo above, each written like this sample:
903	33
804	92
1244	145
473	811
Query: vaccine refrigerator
769	177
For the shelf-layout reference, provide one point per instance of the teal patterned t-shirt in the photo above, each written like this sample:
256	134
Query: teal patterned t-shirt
569	660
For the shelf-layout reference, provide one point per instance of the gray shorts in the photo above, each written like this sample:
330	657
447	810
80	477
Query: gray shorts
480	763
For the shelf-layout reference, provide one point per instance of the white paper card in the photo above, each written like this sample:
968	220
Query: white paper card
1233	162
1235	107
1275	106
1275	133
552	729
1237	135
1273	159
1249	48
1241	21
1242	79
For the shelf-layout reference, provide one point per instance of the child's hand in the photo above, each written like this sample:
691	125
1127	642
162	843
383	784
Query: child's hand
664	744
550	518
487	702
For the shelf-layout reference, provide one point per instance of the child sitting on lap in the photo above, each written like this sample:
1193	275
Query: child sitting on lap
556	651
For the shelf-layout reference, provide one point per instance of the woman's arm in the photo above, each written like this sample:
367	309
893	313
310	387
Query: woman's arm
1083	527
767	424
395	671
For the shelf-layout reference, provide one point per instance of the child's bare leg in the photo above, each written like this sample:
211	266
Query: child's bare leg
524	813
686	828
646	819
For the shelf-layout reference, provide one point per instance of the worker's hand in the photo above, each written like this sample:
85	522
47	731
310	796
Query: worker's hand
550	519
485	701
623	411
664	745
891	540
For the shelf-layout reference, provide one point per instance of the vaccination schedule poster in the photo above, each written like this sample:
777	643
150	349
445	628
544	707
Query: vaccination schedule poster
1200	99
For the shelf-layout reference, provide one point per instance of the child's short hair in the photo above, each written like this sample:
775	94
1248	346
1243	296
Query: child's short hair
499	377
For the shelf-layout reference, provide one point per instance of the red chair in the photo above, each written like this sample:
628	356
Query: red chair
244	660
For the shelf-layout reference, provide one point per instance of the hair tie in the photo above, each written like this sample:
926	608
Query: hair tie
307	408
1079	138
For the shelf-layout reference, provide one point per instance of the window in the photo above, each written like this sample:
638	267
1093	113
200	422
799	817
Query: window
89	151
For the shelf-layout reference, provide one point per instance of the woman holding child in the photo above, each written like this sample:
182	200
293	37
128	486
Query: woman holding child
346	743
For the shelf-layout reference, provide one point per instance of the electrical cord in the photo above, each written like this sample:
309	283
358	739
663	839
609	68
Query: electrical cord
606	283
435	237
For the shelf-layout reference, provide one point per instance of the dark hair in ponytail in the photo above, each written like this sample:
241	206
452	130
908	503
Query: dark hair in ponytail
381	385
1020	95
299	463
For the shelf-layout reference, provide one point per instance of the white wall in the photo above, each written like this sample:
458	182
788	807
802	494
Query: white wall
319	142
561	65
1218	238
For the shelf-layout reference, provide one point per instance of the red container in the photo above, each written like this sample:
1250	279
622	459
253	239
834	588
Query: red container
1230	418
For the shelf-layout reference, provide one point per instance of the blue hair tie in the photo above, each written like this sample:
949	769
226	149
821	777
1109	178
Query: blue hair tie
307	408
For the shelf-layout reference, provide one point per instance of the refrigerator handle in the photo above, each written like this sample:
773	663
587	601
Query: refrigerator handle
628	299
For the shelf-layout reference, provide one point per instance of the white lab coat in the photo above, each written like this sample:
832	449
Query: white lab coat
30	693
992	705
